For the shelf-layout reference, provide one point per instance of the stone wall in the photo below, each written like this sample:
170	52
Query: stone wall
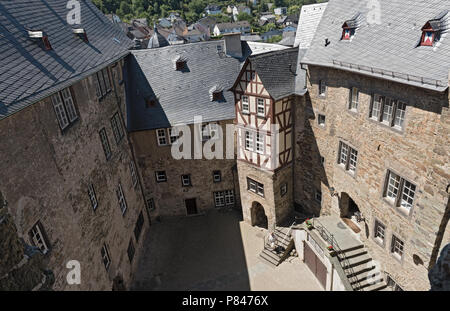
45	175
169	197
418	153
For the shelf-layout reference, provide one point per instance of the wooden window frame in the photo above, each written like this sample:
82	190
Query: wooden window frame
397	201
393	247
38	230
247	103
161	136
105	143
131	251
64	106
102	85
258	106
92	196
394	114
117	128
157	174
121	199
183	179
259	187
106	258
134	176
345	157
353	105
140	221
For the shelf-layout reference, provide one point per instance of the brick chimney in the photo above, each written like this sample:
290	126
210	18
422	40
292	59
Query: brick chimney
233	46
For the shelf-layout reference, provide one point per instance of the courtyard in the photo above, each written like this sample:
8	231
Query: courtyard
215	251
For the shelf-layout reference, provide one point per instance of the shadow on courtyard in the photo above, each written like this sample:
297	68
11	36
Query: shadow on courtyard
194	253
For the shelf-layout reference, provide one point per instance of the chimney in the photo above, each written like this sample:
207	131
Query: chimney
233	45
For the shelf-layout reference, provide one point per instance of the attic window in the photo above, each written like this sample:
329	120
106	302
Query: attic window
350	26
81	33
216	95
40	35
431	31
179	62
150	102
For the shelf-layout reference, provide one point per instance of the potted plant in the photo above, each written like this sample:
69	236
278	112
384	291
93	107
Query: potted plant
309	224
331	250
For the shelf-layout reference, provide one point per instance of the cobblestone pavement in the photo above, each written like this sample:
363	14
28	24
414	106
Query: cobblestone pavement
216	251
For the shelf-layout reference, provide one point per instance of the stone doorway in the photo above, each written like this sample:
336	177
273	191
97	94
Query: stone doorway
350	212
258	215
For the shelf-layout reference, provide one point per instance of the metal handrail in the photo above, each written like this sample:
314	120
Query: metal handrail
335	245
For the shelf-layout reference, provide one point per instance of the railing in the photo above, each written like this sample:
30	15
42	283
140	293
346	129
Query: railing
328	237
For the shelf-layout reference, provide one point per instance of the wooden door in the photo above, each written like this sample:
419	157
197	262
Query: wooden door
315	265
191	206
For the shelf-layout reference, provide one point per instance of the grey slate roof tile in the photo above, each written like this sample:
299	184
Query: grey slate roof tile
390	46
181	94
277	71
28	73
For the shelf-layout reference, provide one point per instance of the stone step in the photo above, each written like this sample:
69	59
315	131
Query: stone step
355	253
360	270
355	261
268	259
369	286
271	254
350	249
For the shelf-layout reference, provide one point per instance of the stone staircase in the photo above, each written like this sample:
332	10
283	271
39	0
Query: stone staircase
360	269
269	256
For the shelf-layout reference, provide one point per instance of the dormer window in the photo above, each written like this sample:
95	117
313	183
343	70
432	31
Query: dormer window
179	63
81	33
217	95
40	35
350	26
432	29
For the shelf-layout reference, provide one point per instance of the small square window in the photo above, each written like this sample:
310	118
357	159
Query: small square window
321	119
217	176
379	231
161	176
186	180
151	204
161	137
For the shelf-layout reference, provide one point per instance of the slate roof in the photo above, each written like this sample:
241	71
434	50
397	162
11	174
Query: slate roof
389	49
241	24
157	40
28	73
310	16
277	71
180	94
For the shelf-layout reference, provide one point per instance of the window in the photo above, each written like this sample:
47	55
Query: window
392	284
173	134
134	177
38	238
245	104
255	187
186	180
379	231
260	143
318	196
102	83
217	95
105	256
151	204
261	109
388	111
427	38
400	191
248	141
219	199
283	189
229	197
121	199
322	88
321	119
354	99
117	127
322	160
64	108
397	247
138	226
92	196
105	143
180	64
161	176
400	115
130	251
348	157
348	33
161	137
217	176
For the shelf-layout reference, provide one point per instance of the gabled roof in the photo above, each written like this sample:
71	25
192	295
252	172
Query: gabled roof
386	48
157	40
28	72
310	16
277	71
180	94
223	26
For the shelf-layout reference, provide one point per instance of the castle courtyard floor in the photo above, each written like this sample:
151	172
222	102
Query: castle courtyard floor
216	251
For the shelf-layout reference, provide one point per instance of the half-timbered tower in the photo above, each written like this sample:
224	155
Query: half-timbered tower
264	104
